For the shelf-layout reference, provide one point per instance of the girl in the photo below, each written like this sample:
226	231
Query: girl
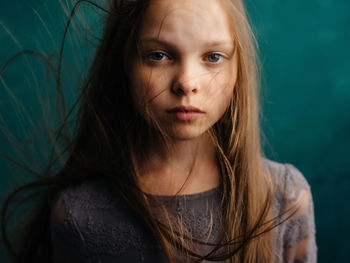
166	163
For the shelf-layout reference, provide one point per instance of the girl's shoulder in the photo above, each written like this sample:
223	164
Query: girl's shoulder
292	192
89	194
286	178
293	206
76	203
90	219
290	187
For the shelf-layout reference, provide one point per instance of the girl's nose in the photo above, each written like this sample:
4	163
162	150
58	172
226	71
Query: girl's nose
186	82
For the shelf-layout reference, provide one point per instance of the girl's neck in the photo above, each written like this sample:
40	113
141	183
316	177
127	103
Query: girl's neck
186	167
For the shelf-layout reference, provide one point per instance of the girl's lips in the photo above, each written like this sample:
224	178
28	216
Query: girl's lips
185	113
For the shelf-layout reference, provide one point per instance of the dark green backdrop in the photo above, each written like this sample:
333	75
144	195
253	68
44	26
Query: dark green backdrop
304	50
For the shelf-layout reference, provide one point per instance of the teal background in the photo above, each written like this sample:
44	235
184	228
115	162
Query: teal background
304	50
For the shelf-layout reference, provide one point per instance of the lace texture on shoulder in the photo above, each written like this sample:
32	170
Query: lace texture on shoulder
297	233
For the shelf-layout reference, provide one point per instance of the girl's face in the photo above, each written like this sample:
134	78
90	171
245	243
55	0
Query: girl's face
186	70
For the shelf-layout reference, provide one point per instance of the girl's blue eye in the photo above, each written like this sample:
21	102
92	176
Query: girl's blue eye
157	56
214	58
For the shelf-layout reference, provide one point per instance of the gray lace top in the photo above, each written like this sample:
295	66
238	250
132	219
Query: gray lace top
89	224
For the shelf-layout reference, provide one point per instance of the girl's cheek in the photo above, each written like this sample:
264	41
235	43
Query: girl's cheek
224	82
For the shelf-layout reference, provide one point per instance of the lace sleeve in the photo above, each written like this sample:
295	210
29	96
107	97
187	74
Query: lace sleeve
299	245
67	244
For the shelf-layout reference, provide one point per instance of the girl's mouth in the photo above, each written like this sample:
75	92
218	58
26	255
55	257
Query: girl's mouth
185	113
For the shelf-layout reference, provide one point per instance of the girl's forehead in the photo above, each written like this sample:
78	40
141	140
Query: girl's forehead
196	19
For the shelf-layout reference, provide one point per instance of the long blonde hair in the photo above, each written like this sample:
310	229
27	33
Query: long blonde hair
101	148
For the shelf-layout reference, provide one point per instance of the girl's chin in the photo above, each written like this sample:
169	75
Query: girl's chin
186	134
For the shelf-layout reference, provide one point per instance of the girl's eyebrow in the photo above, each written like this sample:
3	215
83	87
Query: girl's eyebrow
157	41
211	44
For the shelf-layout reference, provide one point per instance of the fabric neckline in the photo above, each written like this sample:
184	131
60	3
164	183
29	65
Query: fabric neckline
193	196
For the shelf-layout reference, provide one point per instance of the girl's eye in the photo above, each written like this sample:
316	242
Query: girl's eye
157	56
214	58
